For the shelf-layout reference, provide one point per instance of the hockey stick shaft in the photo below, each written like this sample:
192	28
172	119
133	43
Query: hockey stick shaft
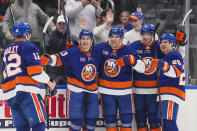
44	51
157	77
180	27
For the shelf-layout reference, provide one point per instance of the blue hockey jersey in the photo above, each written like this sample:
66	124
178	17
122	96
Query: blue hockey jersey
146	83
113	79
21	61
81	68
172	83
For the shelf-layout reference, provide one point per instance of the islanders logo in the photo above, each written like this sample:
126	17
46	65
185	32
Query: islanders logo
149	66
111	68
89	72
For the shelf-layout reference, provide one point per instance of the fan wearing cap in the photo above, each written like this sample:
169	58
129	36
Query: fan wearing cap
59	41
137	20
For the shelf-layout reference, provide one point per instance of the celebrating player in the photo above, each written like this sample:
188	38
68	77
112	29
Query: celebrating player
145	85
115	80
171	80
22	72
81	63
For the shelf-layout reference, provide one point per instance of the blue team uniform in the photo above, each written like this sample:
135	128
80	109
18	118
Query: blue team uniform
21	61
81	69
172	89
115	84
145	85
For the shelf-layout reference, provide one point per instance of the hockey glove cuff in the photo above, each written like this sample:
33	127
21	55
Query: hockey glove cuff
161	65
181	38
126	60
45	59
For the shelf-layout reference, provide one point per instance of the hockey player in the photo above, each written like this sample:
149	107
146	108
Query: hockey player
115	83
145	85
81	63
22	72
171	80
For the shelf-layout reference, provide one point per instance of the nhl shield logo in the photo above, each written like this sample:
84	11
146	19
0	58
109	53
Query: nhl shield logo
111	68
89	72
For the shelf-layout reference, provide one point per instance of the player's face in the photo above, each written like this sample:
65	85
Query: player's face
165	46
147	37
115	41
85	43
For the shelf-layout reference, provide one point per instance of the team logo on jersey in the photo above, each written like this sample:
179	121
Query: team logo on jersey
89	72
111	68
150	68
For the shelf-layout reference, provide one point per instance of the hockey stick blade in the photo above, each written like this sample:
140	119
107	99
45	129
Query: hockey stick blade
184	19
47	24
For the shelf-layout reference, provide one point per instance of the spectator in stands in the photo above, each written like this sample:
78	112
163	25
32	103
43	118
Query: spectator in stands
137	20
58	42
77	10
3	6
36	18
101	32
125	23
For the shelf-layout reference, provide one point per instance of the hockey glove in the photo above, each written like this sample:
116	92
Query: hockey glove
51	93
161	65
126	60
45	59
181	38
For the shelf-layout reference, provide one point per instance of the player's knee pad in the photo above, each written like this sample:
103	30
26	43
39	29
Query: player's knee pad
75	125
126	120
170	125
141	119
90	124
23	128
39	127
110	121
154	122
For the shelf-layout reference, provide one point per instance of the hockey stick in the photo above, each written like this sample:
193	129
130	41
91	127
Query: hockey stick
180	27
44	51
157	76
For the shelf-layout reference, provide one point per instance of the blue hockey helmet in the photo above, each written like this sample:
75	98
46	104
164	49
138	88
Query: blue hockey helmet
117	31
148	28
21	28
85	32
170	37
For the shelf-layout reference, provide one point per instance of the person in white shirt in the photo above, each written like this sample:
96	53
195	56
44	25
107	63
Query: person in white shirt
101	32
137	20
78	11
